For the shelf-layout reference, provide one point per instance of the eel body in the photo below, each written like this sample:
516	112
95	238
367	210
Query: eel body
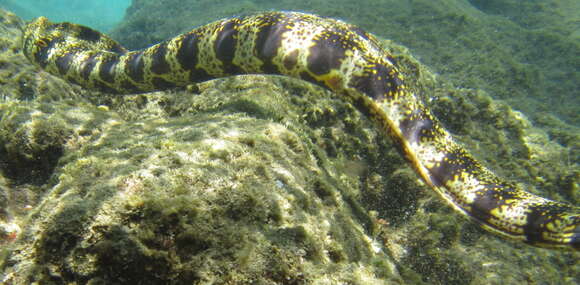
329	53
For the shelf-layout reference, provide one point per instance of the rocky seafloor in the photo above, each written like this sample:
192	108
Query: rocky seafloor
253	180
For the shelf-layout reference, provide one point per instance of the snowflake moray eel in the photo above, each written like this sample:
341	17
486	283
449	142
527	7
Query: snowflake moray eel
330	53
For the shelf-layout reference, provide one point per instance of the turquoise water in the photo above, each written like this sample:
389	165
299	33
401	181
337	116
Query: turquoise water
99	14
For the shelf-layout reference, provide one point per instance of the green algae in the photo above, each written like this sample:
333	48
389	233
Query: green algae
267	180
184	198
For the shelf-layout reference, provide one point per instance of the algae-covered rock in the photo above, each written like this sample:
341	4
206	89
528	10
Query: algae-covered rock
219	195
255	180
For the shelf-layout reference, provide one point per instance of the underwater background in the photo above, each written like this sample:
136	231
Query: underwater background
105	188
101	15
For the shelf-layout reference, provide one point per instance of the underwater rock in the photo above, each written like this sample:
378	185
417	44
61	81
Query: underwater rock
256	179
217	195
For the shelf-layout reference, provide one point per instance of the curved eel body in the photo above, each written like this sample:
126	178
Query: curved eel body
329	53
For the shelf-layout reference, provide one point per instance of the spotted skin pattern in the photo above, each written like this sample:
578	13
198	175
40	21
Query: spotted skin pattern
329	53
